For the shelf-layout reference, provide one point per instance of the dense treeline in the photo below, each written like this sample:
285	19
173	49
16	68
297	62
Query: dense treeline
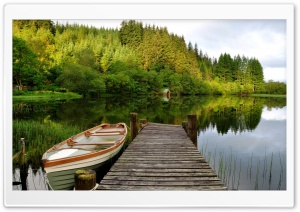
135	59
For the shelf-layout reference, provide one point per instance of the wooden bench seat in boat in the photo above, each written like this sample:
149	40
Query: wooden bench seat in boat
74	143
105	133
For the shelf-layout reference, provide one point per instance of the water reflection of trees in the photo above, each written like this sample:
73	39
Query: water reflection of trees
235	114
224	113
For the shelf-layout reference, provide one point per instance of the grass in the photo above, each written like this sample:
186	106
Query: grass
45	95
39	137
228	168
268	95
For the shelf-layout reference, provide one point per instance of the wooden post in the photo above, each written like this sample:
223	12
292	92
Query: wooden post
23	149
143	123
85	179
23	166
192	128
134	125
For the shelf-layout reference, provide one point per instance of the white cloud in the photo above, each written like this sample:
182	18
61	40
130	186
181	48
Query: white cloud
274	114
275	74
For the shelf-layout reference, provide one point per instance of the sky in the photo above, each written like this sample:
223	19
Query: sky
262	39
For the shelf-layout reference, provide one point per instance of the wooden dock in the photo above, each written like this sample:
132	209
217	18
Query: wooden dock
161	157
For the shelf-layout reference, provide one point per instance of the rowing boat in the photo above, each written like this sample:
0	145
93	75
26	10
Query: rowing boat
89	149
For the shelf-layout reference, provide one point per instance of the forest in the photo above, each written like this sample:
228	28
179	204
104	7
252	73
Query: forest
135	59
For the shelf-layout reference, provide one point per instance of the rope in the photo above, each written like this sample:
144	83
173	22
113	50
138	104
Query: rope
127	127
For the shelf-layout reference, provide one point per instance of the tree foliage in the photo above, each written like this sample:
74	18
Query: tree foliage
25	64
81	79
136	59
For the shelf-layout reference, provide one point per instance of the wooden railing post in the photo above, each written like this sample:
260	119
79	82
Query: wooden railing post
134	125
192	128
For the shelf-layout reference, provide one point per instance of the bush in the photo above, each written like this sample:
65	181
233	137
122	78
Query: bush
18	93
62	90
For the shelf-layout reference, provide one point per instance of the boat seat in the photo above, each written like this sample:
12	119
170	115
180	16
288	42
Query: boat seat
112	133
70	142
112	130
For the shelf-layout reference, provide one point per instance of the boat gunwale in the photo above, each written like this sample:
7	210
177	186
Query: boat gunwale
55	162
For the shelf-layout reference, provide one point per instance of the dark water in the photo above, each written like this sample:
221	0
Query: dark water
244	139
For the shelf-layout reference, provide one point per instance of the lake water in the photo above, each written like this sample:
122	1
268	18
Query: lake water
244	139
247	156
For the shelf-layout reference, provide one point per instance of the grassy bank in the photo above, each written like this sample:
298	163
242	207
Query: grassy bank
268	95
40	136
45	95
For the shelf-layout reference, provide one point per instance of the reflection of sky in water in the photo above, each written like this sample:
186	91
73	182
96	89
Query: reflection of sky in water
268	137
274	114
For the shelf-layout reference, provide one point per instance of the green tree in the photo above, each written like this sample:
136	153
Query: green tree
25	64
131	33
81	79
86	57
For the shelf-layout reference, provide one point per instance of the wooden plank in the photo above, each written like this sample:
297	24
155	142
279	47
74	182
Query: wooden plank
164	152
160	166
161	174
155	163
182	154
158	160
161	160
166	145
161	179
160	188
164	157
166	170
165	183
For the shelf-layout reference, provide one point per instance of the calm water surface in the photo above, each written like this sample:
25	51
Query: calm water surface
251	160
243	139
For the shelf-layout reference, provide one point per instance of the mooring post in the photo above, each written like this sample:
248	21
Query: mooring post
134	125
192	128
23	166
23	149
85	179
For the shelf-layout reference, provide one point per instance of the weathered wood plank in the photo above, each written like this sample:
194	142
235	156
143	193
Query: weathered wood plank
161	166
167	170
156	145
161	179
160	154
161	174
162	147
179	162
164	151
166	145
158	160
160	188
165	183
164	157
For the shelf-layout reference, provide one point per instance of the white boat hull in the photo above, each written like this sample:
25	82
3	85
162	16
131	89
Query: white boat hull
84	163
61	177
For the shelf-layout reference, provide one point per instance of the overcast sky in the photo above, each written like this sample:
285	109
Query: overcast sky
262	39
